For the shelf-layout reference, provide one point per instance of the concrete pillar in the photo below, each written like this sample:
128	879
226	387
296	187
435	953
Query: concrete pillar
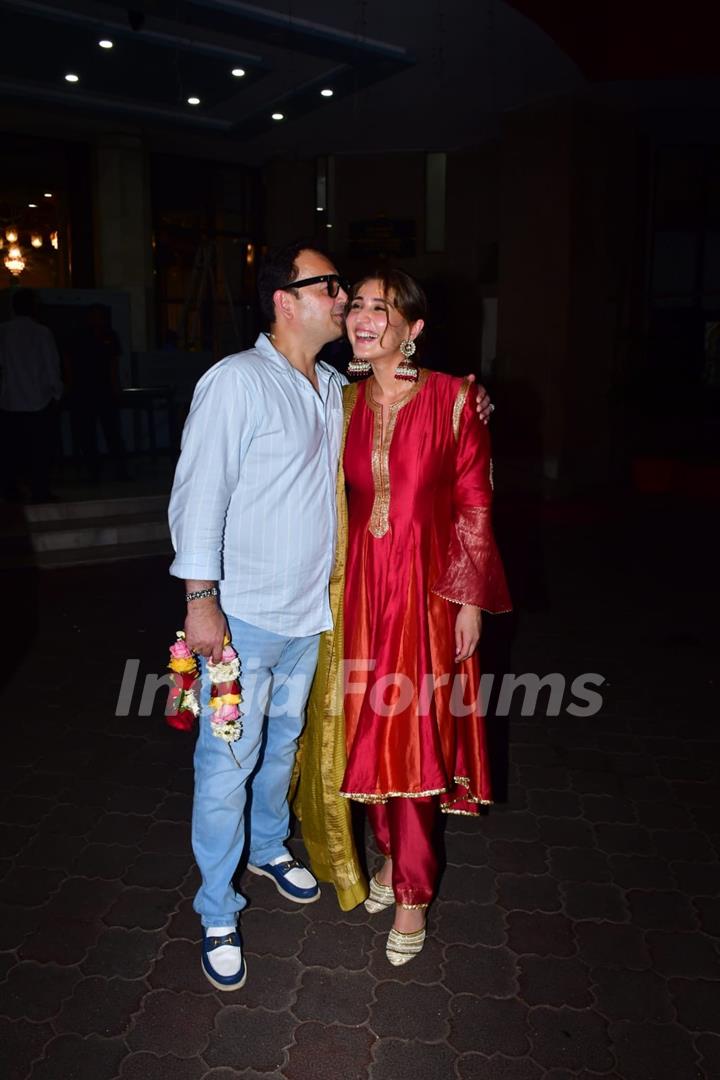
123	227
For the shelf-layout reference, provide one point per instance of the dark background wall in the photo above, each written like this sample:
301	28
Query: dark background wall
571	258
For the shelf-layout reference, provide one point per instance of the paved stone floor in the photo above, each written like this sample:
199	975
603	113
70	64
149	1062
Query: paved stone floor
576	931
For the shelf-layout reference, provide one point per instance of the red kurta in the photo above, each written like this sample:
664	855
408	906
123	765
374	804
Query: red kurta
419	537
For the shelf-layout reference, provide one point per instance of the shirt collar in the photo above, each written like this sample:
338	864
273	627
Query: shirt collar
268	351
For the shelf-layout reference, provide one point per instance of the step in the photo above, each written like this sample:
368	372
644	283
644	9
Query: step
20	526
99	532
56	560
95	508
83	532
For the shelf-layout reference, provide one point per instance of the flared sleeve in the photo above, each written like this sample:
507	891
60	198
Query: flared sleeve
474	572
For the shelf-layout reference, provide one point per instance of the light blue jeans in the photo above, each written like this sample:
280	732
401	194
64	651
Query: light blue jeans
276	674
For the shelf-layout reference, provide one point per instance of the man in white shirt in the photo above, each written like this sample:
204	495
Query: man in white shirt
29	384
252	516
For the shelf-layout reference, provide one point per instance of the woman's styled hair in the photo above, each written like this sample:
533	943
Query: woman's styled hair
400	291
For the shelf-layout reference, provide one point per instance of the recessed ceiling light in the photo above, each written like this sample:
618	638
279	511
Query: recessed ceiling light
328	226
47	195
193	101
327	93
319	209
72	78
238	72
278	116
32	205
105	43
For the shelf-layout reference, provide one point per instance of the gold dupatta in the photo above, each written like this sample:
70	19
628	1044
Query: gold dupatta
320	765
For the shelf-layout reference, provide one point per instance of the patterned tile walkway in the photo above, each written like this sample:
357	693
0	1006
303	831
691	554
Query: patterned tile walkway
576	932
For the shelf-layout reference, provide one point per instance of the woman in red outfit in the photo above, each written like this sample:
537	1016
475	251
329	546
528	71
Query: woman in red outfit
421	565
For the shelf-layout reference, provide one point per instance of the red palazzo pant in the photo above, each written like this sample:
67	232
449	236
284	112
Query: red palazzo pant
404	829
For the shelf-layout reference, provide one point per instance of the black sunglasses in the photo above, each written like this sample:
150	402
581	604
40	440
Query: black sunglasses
334	284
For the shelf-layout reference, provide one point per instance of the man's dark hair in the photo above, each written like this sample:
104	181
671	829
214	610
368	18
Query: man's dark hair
279	267
24	302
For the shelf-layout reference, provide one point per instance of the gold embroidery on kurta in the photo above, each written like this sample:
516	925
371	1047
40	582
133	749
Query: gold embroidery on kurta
458	407
380	456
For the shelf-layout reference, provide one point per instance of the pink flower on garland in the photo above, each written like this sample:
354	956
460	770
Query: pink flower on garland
183	705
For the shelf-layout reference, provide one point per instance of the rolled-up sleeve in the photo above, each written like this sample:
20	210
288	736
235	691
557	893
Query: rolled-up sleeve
217	433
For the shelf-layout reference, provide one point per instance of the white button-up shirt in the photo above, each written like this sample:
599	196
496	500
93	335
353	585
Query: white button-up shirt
29	366
253	502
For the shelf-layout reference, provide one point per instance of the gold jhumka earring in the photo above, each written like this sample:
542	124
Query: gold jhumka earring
406	370
358	367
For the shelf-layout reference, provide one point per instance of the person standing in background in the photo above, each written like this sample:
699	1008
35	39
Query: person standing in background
92	374
30	384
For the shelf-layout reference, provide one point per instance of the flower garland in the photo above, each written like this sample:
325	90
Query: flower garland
225	695
183	706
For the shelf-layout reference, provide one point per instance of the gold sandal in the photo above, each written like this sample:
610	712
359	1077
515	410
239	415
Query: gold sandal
401	948
381	897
